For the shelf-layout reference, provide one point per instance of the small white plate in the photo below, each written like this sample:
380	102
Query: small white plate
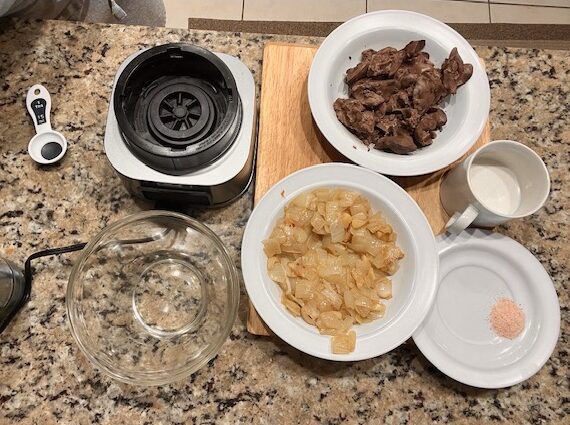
414	284
467	111
476	269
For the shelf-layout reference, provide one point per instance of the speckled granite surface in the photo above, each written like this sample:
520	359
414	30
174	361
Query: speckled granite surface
45	379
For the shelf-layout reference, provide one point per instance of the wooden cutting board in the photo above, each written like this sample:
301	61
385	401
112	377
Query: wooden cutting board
289	140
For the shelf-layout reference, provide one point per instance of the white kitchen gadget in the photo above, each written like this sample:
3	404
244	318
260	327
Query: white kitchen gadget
47	146
498	182
181	125
477	268
467	111
414	284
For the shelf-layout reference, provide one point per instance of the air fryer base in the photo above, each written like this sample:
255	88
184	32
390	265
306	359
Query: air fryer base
217	183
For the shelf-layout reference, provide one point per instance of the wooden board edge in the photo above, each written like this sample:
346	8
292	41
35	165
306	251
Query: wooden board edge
286	44
255	324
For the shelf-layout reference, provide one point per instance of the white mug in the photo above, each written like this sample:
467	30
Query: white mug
498	182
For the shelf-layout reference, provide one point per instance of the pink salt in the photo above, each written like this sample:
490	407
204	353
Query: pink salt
507	318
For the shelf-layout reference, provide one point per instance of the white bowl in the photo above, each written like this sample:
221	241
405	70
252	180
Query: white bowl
467	111
414	285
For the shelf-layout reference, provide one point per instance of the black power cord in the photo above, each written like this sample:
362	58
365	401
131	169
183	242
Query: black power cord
46	253
12	307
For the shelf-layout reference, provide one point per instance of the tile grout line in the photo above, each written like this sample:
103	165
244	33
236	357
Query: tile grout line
489	6
242	8
493	2
468	1
544	6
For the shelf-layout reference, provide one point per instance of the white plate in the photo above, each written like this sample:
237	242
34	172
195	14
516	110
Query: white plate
414	284
477	268
467	111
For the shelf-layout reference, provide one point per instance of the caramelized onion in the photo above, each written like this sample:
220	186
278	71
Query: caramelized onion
331	255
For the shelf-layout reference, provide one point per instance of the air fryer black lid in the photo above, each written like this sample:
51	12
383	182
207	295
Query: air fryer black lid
178	107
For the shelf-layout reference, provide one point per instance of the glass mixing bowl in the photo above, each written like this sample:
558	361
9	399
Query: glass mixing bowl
152	298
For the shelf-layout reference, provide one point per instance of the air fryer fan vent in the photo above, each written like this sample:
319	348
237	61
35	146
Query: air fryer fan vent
177	107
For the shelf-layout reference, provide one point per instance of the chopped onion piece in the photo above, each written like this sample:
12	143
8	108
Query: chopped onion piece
292	306
304	290
277	273
344	344
385	288
337	231
310	313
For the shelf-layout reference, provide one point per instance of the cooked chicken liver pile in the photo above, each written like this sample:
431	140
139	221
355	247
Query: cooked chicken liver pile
393	96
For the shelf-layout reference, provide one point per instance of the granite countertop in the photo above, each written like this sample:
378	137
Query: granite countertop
45	379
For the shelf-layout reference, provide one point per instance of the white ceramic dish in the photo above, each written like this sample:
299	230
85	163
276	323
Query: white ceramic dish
467	111
414	284
477	268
